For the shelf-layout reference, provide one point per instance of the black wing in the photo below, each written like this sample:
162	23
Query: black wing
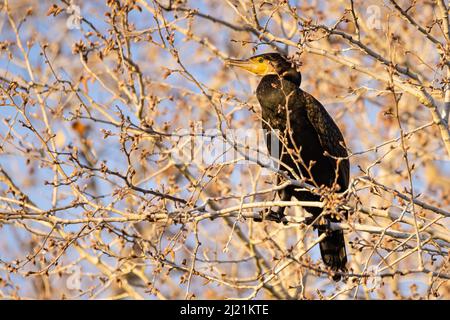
330	136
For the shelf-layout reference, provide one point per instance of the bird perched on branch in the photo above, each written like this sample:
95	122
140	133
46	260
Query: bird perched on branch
310	145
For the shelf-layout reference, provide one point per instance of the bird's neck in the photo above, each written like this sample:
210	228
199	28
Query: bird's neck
293	76
273	90
272	84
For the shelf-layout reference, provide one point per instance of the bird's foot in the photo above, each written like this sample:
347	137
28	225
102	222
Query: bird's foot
268	214
277	217
262	215
309	220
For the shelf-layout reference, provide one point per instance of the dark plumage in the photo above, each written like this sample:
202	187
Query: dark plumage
315	142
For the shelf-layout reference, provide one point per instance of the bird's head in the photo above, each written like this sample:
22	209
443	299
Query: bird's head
269	63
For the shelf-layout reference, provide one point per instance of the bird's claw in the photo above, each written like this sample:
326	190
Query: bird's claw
309	220
277	217
262	215
271	215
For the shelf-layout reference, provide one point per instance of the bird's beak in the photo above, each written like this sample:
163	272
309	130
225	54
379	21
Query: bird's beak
249	65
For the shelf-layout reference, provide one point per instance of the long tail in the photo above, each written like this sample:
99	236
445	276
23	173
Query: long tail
332	249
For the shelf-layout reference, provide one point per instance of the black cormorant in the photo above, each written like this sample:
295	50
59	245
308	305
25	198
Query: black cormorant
313	144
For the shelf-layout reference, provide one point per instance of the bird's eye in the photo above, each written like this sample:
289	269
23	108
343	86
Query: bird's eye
260	60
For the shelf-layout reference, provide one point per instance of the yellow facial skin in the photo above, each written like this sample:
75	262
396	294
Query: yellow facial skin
255	65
